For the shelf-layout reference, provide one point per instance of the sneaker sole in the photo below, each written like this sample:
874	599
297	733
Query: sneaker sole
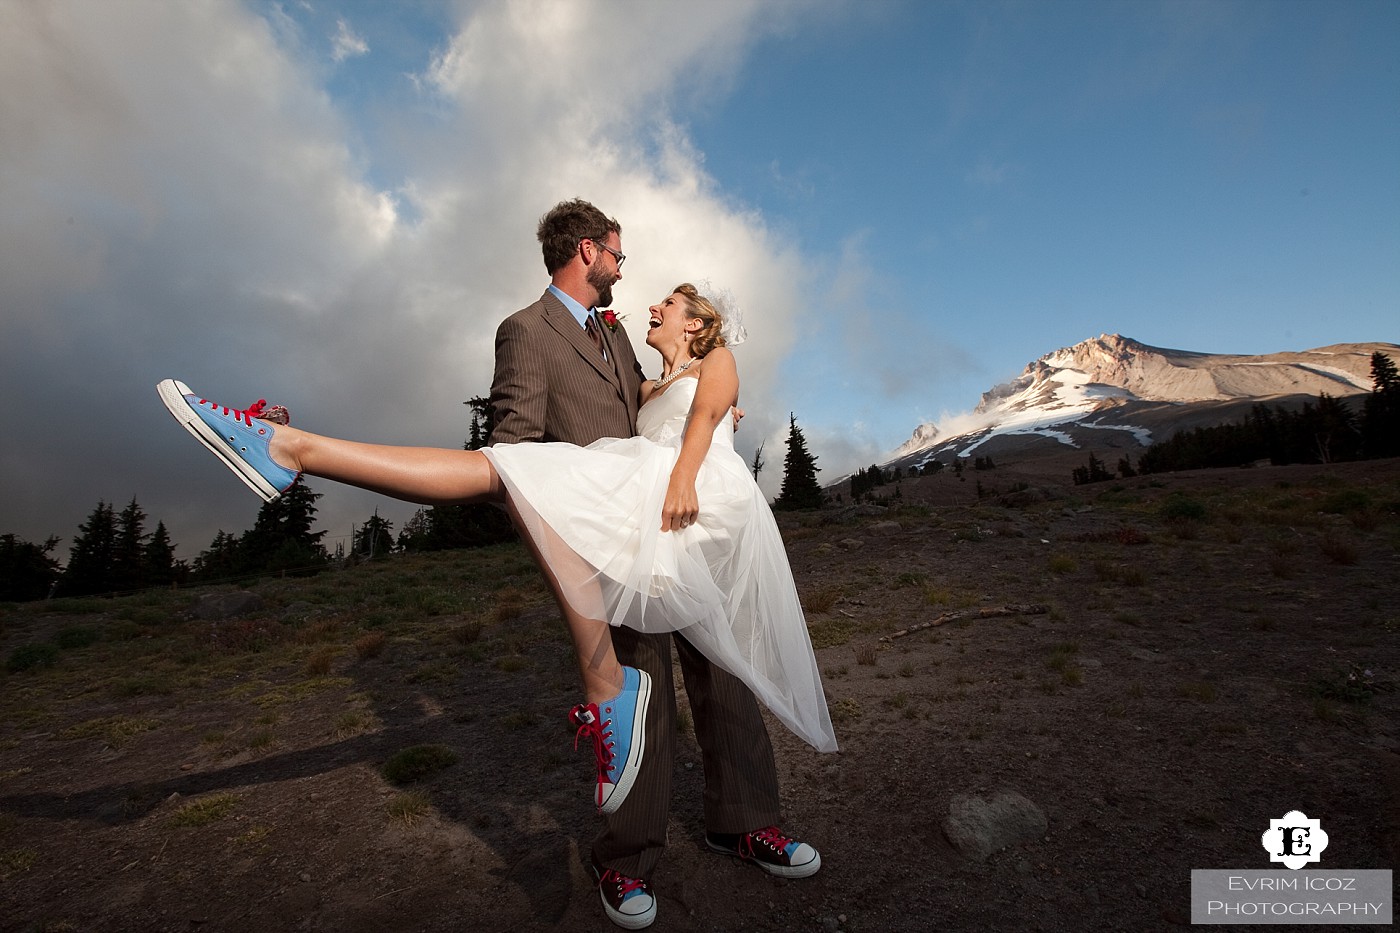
781	871
628	777
173	393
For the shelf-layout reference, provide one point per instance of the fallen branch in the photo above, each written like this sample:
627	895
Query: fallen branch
985	612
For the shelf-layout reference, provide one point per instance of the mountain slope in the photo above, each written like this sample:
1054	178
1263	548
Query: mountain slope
1114	391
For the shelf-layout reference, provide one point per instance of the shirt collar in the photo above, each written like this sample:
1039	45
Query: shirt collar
579	312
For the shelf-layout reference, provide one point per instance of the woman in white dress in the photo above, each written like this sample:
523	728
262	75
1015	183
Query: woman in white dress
660	532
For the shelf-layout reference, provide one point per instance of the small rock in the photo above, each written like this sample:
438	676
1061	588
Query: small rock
187	766
851	544
1141	889
979	826
830	924
885	528
1023	867
305	876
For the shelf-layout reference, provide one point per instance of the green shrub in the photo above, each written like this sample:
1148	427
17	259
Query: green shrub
417	761
32	655
1179	508
75	636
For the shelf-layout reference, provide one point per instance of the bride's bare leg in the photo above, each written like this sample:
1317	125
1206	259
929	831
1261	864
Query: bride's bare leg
429	475
442	476
598	666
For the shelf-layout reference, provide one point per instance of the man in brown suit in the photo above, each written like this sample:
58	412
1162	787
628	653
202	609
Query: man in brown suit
562	374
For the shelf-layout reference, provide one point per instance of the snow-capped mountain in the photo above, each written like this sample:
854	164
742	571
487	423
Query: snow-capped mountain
1114	391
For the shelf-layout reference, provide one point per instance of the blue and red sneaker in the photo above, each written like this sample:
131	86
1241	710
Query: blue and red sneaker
619	736
628	902
233	437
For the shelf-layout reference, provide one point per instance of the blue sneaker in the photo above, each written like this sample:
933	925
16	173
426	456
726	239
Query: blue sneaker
232	436
619	736
770	850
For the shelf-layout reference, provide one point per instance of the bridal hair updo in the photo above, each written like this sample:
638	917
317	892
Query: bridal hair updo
698	306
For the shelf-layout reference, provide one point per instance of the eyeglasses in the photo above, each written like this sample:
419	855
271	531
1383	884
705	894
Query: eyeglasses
620	257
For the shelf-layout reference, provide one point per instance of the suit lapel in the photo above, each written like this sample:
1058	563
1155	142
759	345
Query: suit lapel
558	317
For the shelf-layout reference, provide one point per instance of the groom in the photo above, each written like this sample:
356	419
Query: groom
563	374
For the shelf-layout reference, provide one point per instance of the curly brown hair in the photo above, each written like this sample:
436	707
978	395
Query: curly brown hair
565	225
698	306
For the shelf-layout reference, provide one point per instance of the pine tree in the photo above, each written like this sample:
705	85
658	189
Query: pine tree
89	567
128	554
1380	413
158	558
26	569
281	538
800	489
757	465
374	538
414	534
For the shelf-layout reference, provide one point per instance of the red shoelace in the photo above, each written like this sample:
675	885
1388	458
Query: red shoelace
592	725
625	885
258	409
769	836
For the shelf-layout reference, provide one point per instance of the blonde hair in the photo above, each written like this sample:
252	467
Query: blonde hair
699	307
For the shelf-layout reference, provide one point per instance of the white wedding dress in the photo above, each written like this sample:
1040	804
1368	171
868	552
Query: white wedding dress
724	582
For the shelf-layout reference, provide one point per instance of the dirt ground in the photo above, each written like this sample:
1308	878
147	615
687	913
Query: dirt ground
1187	682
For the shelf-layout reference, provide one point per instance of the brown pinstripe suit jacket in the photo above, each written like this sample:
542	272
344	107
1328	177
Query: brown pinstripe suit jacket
552	385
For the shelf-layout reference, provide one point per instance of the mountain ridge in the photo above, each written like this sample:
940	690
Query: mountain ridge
1116	383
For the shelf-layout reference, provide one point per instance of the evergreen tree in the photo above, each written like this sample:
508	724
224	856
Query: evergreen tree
90	558
414	534
800	489
374	538
26	569
1380	413
220	560
281	538
158	558
128	554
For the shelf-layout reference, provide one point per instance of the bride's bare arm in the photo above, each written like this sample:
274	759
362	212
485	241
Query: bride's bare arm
714	396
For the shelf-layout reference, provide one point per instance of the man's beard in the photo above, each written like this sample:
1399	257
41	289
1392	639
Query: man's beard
602	282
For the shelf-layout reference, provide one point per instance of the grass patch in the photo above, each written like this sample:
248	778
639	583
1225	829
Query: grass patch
831	633
822	599
205	811
416	762
409	808
72	637
370	645
1340	552
1199	690
846	709
14	861
1061	564
114	730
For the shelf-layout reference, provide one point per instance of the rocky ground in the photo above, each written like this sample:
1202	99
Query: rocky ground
1139	674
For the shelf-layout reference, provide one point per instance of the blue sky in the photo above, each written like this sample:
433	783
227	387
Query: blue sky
331	204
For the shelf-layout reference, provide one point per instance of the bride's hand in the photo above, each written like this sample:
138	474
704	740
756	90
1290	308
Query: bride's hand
681	506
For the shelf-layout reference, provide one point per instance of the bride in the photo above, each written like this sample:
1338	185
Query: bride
661	532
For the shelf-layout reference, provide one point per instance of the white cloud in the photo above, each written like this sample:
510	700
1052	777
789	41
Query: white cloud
345	43
179	197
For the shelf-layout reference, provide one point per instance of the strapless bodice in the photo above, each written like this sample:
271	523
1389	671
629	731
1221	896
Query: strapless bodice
662	419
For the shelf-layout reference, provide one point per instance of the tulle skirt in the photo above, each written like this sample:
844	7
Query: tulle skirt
724	582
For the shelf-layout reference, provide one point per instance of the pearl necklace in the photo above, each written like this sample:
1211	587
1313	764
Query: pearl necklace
666	380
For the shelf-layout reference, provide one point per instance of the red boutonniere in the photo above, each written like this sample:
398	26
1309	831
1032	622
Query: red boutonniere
610	318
